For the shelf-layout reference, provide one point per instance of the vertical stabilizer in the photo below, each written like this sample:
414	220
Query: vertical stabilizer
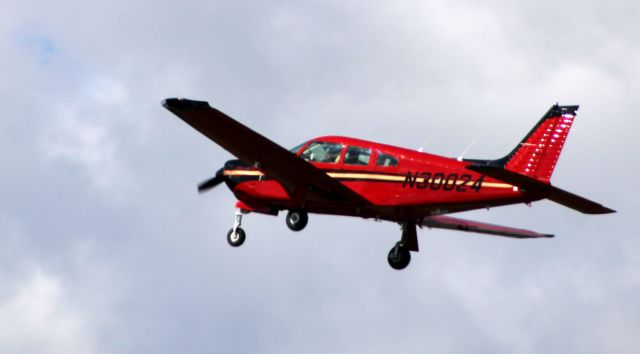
537	154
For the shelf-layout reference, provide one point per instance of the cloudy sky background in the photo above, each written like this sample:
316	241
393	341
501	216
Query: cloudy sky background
105	246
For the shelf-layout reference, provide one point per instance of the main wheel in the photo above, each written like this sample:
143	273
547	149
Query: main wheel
236	239
297	219
399	257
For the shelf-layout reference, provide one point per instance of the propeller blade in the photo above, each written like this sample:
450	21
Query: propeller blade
212	182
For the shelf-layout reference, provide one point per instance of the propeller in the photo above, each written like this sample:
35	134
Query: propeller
212	182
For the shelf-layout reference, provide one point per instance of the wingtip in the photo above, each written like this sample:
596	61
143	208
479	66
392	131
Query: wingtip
600	210
183	103
549	235
169	102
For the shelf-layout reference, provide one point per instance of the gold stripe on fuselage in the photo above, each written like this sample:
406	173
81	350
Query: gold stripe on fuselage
242	173
369	177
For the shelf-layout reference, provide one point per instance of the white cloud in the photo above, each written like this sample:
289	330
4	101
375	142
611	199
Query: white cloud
83	131
36	318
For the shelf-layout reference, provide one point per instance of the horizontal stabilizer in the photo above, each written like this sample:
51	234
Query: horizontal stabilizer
546	190
450	223
577	202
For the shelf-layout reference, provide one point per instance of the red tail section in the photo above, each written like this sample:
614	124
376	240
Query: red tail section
530	165
537	154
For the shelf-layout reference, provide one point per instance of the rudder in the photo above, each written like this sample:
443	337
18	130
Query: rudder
530	165
537	154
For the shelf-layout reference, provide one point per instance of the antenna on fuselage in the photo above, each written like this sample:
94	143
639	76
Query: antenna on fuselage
420	149
468	147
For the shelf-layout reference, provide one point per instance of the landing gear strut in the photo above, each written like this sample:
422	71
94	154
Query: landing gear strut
297	219
399	256
236	235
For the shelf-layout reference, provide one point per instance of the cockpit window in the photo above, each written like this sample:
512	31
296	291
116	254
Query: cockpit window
297	148
357	156
322	152
386	160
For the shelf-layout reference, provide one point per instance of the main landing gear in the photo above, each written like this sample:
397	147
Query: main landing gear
297	219
399	256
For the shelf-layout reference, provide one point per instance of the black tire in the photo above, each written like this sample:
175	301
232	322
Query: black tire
297	219
237	239
399	257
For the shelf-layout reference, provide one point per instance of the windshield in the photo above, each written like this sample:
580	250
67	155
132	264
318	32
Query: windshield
297	148
319	151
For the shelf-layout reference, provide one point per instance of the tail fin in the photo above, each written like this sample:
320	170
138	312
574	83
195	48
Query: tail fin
530	165
538	152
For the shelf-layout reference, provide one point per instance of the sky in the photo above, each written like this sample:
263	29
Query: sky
106	247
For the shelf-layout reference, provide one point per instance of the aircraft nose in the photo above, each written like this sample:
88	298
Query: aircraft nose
212	182
234	164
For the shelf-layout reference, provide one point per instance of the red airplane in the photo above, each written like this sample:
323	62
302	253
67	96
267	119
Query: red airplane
351	177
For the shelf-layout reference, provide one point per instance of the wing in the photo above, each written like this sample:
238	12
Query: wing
300	178
450	223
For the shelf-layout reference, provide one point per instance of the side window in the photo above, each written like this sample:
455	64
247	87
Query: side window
322	152
386	160
357	156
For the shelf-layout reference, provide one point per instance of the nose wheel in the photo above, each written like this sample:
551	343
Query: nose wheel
236	236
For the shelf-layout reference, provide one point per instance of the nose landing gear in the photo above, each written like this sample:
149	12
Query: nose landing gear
236	235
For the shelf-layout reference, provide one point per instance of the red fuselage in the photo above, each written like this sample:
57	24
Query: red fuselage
399	183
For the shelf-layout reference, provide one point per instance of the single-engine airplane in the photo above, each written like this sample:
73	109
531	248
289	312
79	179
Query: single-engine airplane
344	176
